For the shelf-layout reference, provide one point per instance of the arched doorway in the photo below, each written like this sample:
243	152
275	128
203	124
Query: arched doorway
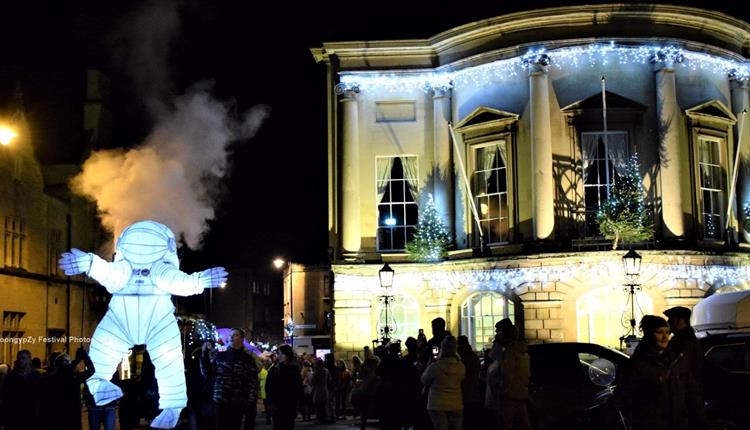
480	312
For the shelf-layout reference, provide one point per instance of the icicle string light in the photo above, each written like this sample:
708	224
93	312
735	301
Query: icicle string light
507	279
592	55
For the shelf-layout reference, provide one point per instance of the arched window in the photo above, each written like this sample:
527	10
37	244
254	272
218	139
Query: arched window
479	313
403	317
603	315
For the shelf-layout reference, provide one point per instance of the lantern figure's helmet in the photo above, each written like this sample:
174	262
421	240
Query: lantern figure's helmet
147	242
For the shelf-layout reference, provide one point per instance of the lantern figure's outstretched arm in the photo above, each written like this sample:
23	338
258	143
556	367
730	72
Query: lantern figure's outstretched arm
170	279
113	276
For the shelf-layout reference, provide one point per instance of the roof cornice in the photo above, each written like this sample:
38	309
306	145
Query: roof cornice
537	26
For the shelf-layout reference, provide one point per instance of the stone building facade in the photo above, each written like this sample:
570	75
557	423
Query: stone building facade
42	310
519	126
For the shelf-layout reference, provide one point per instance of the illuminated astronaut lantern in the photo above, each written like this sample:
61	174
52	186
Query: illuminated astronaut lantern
142	279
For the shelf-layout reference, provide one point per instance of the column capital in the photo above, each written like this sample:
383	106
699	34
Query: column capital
738	79
346	90
666	58
536	62
440	91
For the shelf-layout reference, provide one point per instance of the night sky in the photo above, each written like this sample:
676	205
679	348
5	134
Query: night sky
274	200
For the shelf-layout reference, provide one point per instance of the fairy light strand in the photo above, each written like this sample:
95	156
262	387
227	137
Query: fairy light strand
592	55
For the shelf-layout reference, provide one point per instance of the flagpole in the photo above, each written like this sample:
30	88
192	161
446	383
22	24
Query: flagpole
735	169
604	120
467	185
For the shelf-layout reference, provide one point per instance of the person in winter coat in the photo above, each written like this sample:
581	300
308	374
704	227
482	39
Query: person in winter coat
364	394
236	385
684	342
284	389
321	393
262	376
470	385
444	377
652	392
515	374
307	388
63	402
204	398
19	396
438	334
343	386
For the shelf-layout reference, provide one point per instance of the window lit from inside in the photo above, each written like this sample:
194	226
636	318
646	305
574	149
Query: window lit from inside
398	212
603	161
711	186
604	314
491	190
479	313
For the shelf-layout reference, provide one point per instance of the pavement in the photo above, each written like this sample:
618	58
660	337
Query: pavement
260	424
348	424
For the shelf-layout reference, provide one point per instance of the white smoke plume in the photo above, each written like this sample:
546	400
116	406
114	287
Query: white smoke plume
171	176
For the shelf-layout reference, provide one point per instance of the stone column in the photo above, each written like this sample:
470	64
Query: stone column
740	103
351	238
670	147
442	167
541	148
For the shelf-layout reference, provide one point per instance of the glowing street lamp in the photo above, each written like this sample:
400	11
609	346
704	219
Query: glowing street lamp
6	135
386	282
632	264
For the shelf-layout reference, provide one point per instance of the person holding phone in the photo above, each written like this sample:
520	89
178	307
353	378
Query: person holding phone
433	345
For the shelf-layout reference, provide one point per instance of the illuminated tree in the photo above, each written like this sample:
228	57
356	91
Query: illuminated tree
623	215
431	238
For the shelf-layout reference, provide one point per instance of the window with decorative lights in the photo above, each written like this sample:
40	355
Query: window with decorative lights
710	128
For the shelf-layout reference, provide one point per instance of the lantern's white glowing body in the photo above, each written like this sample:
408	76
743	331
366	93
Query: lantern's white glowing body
142	279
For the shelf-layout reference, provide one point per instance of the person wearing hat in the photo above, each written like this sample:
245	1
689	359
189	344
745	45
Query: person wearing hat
684	342
652	392
444	377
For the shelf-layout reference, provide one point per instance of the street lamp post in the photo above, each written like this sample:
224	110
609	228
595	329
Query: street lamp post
632	265
386	282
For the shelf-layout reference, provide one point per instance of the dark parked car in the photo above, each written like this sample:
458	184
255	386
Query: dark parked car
561	386
726	379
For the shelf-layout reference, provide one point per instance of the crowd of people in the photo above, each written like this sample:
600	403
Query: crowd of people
439	383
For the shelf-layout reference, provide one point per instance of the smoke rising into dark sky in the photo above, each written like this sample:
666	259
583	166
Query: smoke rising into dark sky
170	176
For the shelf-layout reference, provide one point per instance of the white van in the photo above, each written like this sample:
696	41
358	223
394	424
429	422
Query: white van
722	313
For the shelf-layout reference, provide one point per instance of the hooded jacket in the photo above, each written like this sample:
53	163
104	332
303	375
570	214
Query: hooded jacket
444	377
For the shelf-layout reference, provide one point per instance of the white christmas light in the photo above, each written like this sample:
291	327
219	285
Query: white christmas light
505	279
592	55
